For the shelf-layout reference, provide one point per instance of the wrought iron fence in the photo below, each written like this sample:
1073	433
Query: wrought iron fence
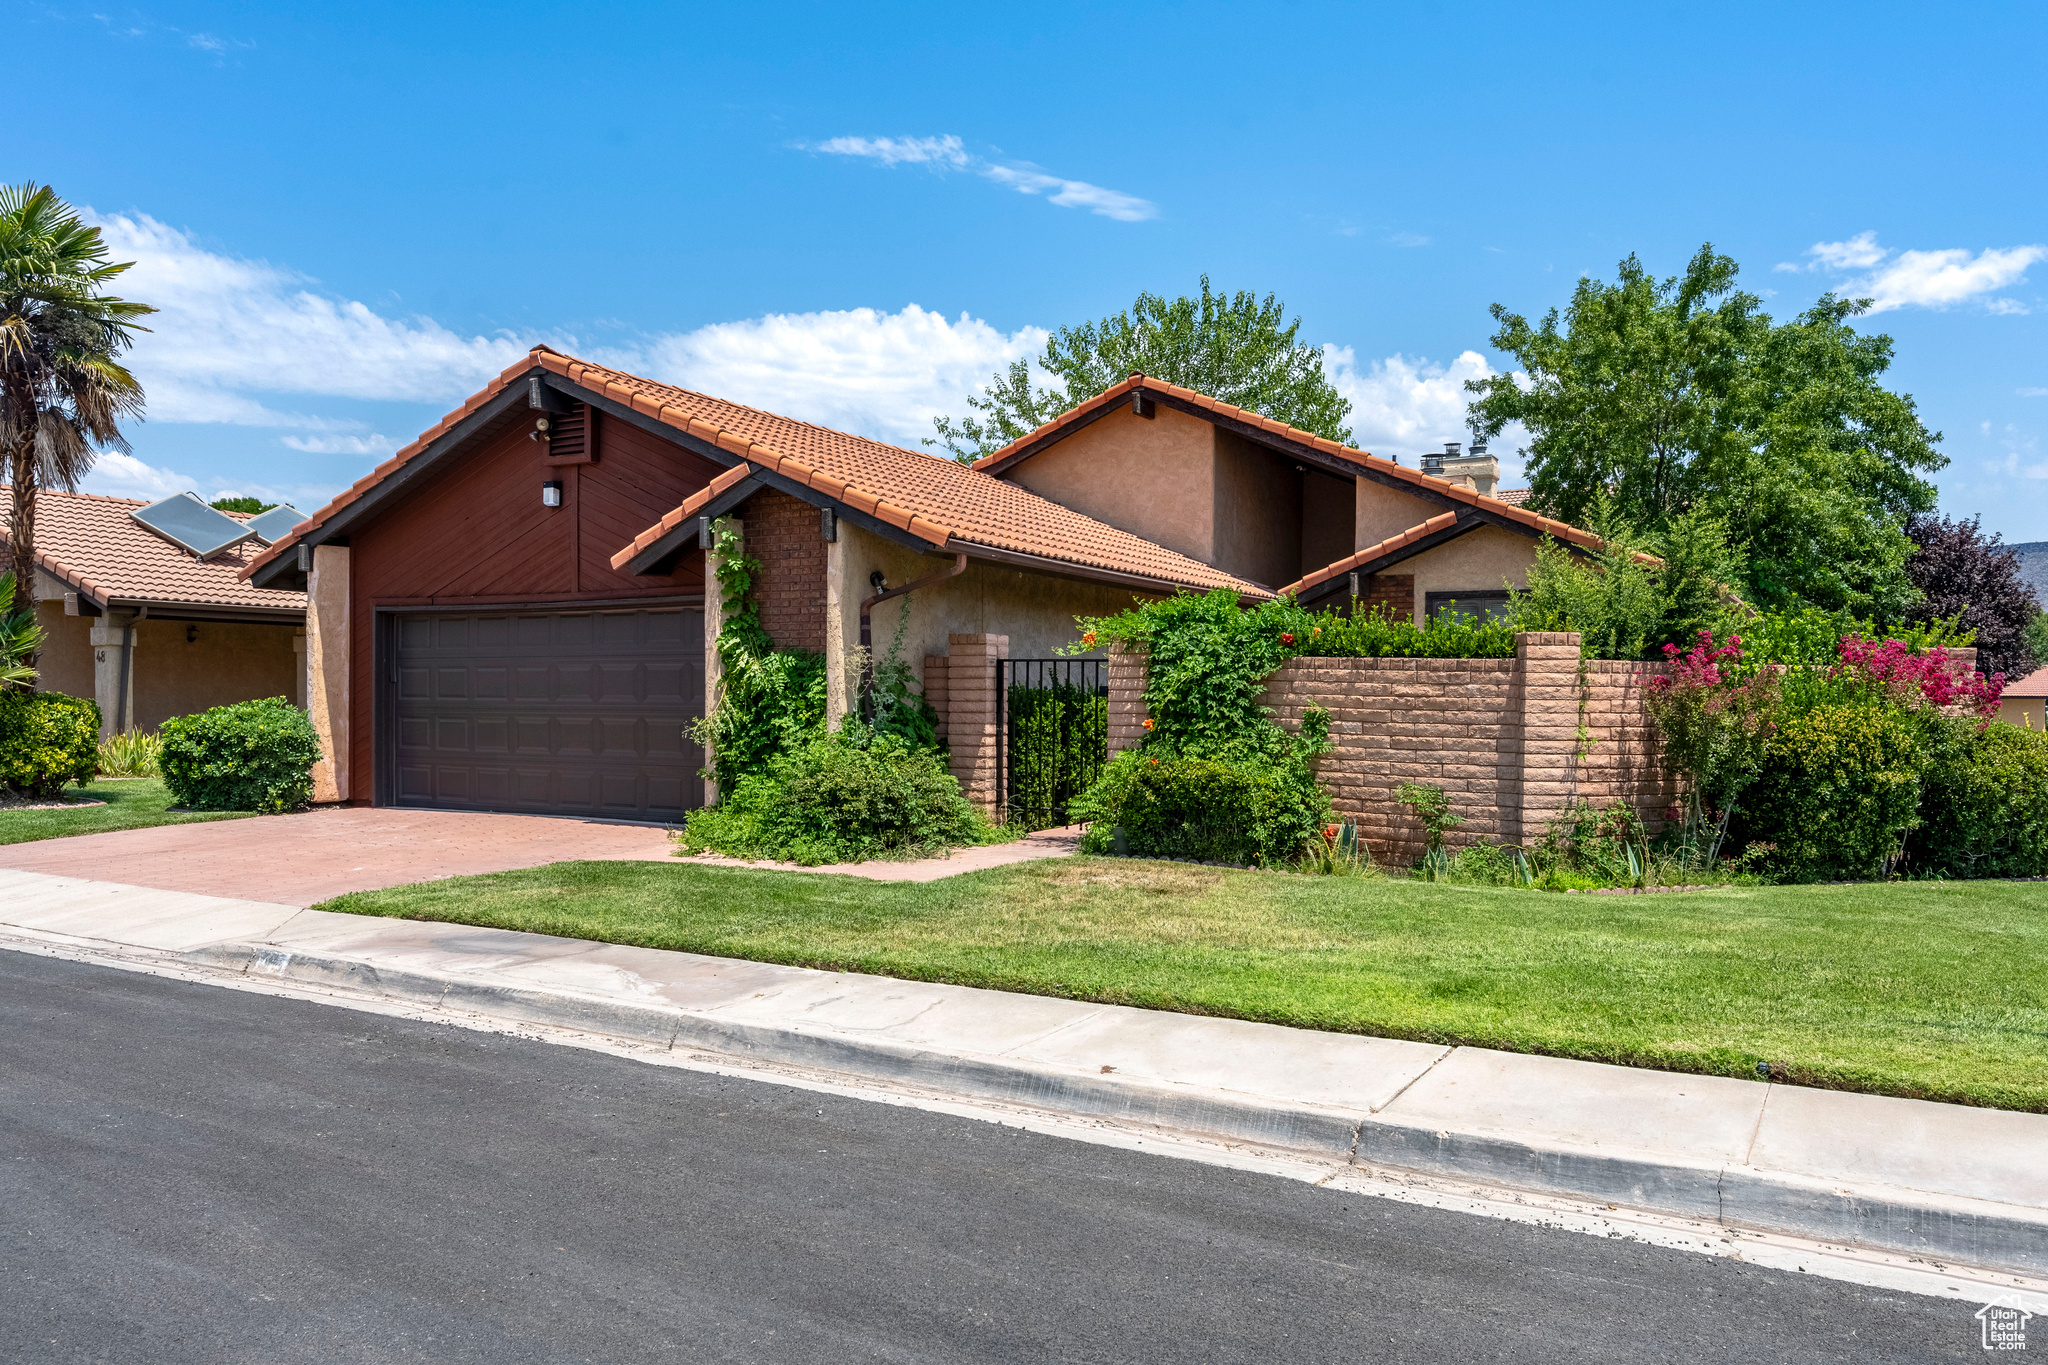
1054	722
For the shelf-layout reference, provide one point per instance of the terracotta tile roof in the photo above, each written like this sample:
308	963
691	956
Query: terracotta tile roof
933	499
1513	497
1423	483
2035	684
99	550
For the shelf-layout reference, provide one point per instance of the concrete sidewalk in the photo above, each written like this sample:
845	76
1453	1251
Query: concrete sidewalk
1943	1182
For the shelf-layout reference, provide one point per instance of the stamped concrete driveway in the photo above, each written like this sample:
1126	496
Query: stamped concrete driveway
304	859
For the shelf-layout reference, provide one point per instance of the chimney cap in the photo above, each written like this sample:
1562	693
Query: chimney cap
1451	450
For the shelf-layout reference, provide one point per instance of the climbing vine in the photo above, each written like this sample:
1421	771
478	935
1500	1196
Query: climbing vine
769	699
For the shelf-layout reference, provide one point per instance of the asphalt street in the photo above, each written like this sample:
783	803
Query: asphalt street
189	1173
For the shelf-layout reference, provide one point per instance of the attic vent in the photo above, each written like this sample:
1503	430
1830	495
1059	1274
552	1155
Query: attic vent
569	437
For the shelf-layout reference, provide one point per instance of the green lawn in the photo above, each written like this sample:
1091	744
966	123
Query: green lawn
131	804
1933	990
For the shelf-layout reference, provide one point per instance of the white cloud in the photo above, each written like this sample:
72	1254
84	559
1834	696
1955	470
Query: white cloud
1858	253
1125	208
948	152
1409	239
373	444
230	327
123	476
2033	393
1410	407
884	375
1925	279
899	151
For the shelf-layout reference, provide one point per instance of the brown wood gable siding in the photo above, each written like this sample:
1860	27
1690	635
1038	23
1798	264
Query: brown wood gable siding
476	534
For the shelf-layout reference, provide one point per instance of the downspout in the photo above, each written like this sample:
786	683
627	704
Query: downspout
867	638
127	656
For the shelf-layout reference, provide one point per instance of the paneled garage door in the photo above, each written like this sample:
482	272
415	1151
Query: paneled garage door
551	713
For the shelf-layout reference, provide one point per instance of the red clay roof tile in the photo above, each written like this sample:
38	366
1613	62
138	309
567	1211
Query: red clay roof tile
93	544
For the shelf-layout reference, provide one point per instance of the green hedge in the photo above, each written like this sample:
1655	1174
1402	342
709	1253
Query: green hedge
1838	792
253	755
46	740
1211	811
1984	804
841	798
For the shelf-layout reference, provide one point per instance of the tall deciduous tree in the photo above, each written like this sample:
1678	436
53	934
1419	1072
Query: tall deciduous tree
1960	569
1682	395
63	390
1235	347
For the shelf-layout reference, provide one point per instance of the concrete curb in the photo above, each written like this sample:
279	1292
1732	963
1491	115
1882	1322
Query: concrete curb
1945	1228
1301	1128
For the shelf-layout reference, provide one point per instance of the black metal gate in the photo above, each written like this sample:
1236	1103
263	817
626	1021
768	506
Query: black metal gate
1053	716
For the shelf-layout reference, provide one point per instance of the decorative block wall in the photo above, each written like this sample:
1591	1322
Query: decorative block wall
1500	735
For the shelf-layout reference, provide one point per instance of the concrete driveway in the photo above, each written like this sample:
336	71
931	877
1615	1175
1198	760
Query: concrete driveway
304	859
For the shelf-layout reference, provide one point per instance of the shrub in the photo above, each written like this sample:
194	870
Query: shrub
1984	804
133	753
46	740
1206	809
841	798
1379	634
1715	718
1432	806
1838	791
253	755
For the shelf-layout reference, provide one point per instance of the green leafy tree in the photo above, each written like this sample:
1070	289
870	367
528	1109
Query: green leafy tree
252	506
1236	347
63	390
1682	395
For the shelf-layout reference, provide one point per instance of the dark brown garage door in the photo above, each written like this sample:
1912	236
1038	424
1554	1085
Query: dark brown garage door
551	713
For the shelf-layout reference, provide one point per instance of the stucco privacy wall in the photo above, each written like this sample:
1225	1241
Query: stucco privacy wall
1501	736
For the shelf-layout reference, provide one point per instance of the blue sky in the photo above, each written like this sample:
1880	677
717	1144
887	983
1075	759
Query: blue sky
854	214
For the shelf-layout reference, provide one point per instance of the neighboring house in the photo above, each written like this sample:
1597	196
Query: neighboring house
2025	701
511	612
147	628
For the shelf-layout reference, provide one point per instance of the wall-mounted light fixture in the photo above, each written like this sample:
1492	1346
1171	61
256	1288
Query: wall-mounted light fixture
551	493
191	635
540	430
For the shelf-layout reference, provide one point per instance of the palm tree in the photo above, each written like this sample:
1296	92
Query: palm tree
62	390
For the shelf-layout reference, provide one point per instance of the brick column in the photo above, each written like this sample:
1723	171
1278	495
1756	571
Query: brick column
1127	676
970	713
1545	696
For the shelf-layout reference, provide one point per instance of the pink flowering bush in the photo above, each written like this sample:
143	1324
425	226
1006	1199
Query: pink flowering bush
1716	718
1928	678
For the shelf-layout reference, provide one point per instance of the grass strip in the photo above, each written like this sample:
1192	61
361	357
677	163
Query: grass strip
133	803
1927	990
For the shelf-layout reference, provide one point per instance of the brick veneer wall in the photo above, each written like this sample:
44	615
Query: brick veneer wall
1501	736
1394	591
782	532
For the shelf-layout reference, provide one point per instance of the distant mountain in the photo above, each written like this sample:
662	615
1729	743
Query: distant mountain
2034	566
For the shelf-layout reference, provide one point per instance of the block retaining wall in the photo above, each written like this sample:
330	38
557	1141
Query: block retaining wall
1500	735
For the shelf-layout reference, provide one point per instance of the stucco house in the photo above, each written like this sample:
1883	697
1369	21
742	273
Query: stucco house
146	627
511	612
